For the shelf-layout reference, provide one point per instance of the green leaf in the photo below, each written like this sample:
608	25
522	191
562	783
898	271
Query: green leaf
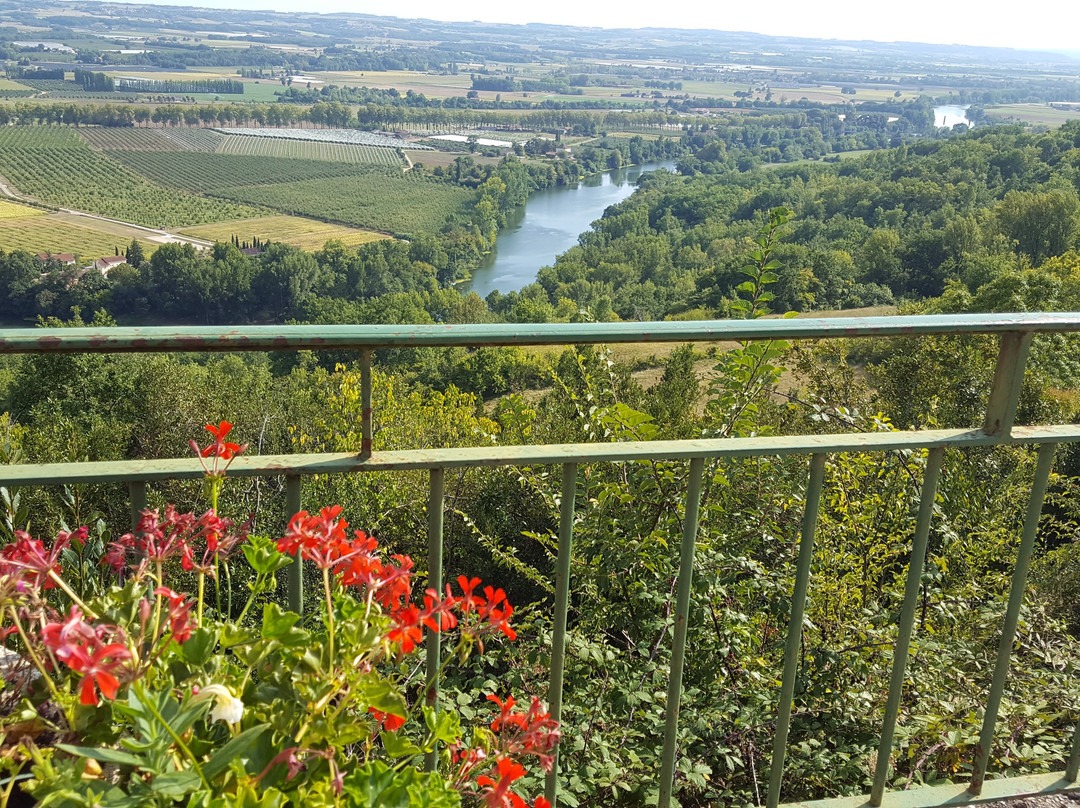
102	754
375	785
398	747
280	625
175	784
240	746
198	649
262	554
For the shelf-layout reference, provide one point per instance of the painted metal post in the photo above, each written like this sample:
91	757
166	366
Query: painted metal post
682	614
294	573
1012	615
137	492
1008	380
365	404
562	605
794	637
436	487
1072	768
907	620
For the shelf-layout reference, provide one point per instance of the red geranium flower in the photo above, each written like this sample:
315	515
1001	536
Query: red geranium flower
180	625
93	652
390	721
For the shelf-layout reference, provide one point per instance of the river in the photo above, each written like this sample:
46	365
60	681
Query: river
950	115
549	224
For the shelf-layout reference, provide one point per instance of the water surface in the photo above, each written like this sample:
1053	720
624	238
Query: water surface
549	224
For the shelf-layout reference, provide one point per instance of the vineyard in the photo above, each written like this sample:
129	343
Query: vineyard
382	199
209	173
307	234
354	136
110	138
309	150
56	166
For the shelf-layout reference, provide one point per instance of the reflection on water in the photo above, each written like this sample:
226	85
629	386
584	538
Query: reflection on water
549	224
950	115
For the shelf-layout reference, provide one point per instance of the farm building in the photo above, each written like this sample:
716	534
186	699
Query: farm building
103	265
67	259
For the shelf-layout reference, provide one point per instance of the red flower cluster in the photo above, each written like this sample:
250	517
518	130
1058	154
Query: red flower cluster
533	732
98	653
323	539
517	734
180	624
30	564
158	539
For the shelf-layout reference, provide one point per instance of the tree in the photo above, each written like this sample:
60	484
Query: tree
1042	224
135	256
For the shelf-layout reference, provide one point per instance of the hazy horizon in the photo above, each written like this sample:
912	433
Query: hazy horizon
845	20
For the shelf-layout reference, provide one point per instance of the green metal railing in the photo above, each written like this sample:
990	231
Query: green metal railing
1015	331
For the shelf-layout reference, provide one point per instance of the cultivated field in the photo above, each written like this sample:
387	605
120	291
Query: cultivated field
58	233
201	172
1033	113
305	150
54	165
352	136
307	234
109	138
10	211
381	199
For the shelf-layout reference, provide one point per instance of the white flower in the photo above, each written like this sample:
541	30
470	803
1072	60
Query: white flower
227	707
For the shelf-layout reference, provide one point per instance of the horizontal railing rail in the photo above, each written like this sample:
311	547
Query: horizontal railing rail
1016	332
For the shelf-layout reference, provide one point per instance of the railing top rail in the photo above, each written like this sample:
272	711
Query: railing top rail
357	337
189	468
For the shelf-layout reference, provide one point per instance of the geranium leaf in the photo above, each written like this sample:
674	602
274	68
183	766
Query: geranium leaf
240	746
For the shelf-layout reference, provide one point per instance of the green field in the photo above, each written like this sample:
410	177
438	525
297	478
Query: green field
112	138
201	172
309	150
55	234
307	234
381	198
56	166
1033	113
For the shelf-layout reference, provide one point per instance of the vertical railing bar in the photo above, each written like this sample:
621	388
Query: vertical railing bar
365	404
1012	615
137	492
794	637
1008	381
436	487
562	604
912	587
1072	768
682	613
294	573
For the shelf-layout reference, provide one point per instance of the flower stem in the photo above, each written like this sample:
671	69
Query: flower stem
60	582
202	590
39	664
329	615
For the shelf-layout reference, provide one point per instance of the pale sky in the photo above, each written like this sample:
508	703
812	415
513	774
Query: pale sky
1047	25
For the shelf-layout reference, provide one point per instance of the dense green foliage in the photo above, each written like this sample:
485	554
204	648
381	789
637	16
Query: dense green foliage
897	223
